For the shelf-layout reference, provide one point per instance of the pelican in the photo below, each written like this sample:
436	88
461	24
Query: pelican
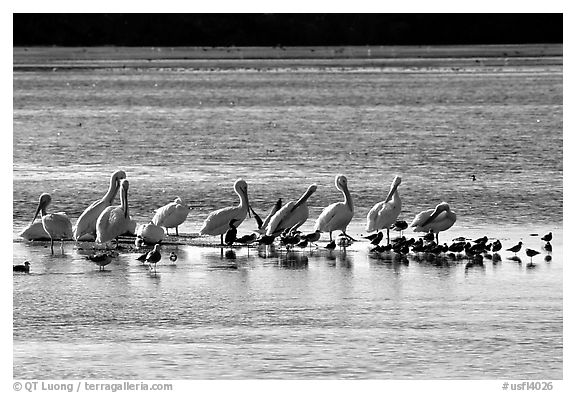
150	233
57	225
384	214
217	222
338	215
171	215
436	220
263	227
291	215
86	223
114	220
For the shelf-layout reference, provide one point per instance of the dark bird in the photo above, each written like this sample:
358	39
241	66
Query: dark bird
372	236
377	239
473	177
22	268
230	235
481	240
154	256
173	256
547	237
142	258
313	237
429	236
516	248
331	245
246	239
101	259
548	247
496	246
266	240
531	253
387	247
457	247
400	225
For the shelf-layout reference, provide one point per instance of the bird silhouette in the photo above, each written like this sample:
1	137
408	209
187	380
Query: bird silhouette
547	237
25	268
331	245
516	248
531	253
173	257
230	235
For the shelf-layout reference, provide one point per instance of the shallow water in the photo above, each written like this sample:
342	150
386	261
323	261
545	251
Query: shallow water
341	314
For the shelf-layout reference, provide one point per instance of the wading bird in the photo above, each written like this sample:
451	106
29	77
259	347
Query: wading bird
86	223
101	259
516	248
291	215
56	225
114	220
547	237
531	253
338	215
171	215
384	214
217	222
154	256
436	220
230	235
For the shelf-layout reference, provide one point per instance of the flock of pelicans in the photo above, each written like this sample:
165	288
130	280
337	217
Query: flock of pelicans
101	222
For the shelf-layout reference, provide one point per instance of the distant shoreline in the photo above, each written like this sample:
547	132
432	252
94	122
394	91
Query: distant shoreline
38	58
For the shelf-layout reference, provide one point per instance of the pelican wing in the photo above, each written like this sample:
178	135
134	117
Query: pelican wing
288	217
111	224
58	225
334	217
170	215
34	231
217	222
86	223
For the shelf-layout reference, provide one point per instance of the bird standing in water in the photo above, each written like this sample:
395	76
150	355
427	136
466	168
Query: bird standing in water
338	215
516	248
154	256
384	214
57	225
436	220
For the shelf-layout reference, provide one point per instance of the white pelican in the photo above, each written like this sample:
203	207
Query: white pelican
114	220
34	231
57	225
150	233
86	223
384	214
338	215
436	220
217	222
171	215
291	215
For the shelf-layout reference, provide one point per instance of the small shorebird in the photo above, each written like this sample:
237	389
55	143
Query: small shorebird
173	257
531	253
154	256
330	246
516	248
496	246
548	247
101	259
25	268
230	235
338	215
547	237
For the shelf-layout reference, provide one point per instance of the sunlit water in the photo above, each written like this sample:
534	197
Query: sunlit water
311	313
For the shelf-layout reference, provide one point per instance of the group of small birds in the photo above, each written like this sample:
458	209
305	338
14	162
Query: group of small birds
103	222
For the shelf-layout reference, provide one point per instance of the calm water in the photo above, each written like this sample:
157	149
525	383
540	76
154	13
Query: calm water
310	314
